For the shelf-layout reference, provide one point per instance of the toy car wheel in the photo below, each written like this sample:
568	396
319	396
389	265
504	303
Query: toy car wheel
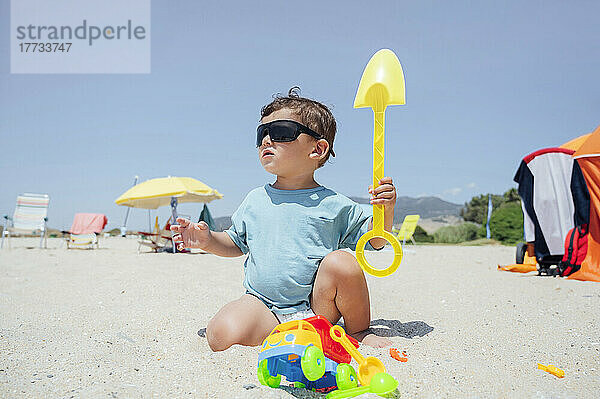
521	250
313	363
265	378
345	376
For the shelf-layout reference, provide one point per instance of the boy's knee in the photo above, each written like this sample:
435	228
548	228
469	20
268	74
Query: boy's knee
341	265
219	333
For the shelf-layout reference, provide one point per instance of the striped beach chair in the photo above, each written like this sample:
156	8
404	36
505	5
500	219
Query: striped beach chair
30	217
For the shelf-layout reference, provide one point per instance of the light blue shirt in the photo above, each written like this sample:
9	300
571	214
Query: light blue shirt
286	234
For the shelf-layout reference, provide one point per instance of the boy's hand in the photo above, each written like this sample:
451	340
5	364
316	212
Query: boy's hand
193	235
384	194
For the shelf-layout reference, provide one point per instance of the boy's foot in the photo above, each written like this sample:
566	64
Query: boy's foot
367	337
376	341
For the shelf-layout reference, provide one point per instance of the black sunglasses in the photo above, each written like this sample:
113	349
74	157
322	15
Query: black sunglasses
283	131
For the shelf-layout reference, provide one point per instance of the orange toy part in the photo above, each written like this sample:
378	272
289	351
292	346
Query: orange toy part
518	268
396	355
552	369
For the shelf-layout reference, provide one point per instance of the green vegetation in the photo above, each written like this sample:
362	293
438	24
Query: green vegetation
421	235
479	242
476	210
115	232
506	224
455	234
52	233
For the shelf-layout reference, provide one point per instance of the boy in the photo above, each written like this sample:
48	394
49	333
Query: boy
293	230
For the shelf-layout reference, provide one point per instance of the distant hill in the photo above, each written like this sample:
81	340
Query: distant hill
222	223
427	207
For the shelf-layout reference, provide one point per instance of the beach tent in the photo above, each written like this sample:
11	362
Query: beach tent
576	142
560	189
587	155
554	199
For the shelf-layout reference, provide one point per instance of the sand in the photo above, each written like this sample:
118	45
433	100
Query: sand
112	323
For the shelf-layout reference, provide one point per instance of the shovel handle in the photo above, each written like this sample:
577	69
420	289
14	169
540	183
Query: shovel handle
378	162
378	212
339	335
362	260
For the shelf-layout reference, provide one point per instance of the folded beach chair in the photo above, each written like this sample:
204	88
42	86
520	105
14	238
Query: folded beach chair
158	239
85	230
407	230
30	217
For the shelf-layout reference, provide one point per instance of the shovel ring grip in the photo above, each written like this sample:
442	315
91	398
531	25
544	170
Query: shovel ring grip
360	253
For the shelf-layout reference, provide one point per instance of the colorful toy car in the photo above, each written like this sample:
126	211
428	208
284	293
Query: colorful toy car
304	352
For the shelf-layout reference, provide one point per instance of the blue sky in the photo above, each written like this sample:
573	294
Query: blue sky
486	83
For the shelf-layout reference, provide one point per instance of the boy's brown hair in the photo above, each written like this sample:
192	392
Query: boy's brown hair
313	114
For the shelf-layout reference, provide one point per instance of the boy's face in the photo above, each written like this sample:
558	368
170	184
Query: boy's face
294	158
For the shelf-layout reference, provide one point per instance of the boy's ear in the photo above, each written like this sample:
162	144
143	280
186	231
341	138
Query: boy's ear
321	149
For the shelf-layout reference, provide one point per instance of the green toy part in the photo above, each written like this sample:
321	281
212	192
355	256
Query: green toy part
265	378
299	384
345	377
382	384
313	363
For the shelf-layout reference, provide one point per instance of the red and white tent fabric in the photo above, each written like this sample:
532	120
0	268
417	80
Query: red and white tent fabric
554	198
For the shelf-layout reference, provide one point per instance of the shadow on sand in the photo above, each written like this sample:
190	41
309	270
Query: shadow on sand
395	328
386	328
301	392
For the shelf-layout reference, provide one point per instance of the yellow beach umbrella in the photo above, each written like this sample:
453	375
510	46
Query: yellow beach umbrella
155	193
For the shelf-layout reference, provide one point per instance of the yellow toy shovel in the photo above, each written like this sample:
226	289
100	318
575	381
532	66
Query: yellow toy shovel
367	367
382	84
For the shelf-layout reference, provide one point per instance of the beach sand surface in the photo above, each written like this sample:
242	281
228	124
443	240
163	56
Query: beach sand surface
118	324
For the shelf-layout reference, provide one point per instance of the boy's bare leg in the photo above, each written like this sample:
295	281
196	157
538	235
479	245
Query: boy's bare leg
245	321
341	290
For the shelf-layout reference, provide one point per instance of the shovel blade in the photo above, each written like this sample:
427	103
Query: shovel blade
382	82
